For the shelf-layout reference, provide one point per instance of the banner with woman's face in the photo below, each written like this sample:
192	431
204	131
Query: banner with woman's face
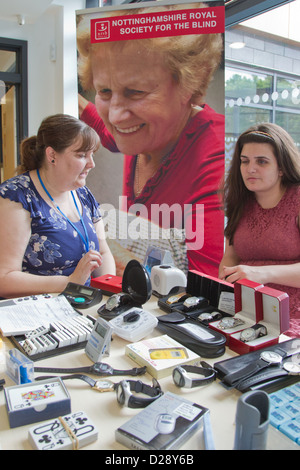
151	82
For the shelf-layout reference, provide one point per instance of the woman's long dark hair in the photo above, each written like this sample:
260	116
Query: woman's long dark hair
235	193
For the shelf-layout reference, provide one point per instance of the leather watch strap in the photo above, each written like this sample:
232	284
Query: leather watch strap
83	377
63	370
264	377
247	371
99	368
208	373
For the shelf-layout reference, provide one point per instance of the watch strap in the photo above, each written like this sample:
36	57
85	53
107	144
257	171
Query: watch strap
153	391
83	377
63	370
262	378
134	371
94	369
208	372
241	374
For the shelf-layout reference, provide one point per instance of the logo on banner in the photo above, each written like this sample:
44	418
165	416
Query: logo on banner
102	30
158	24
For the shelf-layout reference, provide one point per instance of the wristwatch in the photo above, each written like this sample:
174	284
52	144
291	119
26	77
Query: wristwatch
113	302
207	317
176	298
293	368
266	359
182	379
229	322
99	368
256	331
192	302
99	385
125	396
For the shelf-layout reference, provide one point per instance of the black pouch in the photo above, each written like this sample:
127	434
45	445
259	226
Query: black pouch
190	333
270	378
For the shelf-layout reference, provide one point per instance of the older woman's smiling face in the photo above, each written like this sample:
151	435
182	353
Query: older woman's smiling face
138	100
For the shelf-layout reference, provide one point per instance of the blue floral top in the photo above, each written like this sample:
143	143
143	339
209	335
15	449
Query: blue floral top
54	247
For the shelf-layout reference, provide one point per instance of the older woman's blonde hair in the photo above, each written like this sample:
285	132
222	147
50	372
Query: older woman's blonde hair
191	59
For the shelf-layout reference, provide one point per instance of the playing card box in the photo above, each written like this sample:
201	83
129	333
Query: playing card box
36	401
271	311
69	432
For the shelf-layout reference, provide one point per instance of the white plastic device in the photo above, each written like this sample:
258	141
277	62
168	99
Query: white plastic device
164	278
134	324
98	344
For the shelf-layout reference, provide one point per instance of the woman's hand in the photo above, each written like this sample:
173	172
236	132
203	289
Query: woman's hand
241	271
88	263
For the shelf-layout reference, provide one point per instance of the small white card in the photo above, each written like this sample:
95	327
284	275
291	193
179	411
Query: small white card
227	303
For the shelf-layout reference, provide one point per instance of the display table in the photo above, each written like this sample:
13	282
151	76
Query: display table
104	410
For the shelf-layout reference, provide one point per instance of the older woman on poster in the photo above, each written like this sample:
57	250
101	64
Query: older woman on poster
150	105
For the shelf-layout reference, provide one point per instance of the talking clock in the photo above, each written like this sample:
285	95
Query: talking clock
81	296
98	344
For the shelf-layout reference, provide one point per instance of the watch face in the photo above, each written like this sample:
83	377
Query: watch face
292	367
271	357
191	301
230	323
248	335
120	394
205	316
104	385
112	302
175	298
178	377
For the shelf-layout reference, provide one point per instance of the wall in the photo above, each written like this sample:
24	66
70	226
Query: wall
52	84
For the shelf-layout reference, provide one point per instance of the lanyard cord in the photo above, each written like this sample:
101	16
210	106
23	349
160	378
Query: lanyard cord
86	239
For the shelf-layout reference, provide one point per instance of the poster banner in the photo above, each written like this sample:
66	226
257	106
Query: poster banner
151	83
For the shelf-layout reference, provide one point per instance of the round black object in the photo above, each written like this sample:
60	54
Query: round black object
136	282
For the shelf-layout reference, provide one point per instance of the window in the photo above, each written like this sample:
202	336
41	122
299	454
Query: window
262	72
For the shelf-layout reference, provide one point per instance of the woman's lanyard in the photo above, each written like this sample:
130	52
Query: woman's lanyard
86	239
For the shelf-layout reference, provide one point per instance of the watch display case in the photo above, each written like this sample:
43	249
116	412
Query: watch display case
271	311
265	315
245	308
213	293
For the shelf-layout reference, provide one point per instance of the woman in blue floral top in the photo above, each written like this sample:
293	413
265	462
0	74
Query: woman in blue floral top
52	232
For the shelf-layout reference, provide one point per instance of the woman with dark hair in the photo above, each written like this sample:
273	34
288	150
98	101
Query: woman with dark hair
262	206
52	232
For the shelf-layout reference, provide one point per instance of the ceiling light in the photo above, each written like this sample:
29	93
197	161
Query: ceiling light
237	45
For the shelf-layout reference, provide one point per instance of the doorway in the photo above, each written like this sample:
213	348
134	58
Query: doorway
13	103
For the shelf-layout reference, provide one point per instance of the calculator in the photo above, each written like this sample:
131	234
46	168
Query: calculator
82	296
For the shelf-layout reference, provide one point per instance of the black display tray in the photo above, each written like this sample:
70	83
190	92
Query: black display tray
46	354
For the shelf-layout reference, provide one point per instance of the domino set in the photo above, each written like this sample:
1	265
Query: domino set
56	338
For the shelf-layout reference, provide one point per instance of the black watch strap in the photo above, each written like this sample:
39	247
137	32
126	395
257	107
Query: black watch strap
153	391
263	378
63	370
241	374
83	377
99	368
140	387
208	372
